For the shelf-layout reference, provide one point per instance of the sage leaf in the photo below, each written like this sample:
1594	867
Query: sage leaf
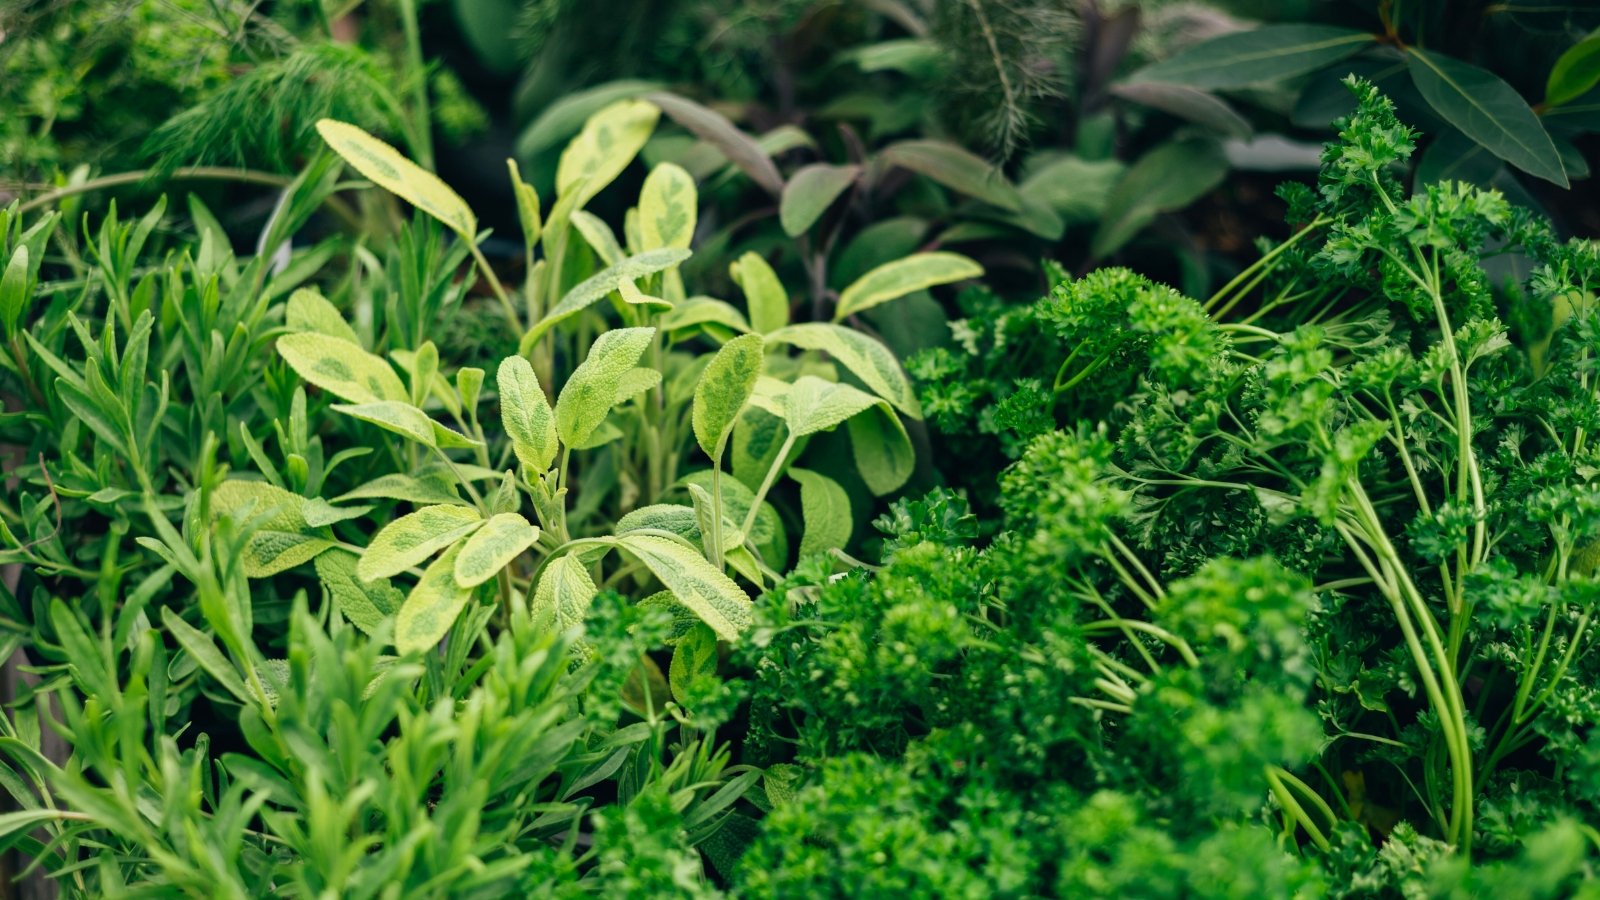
712	595
563	595
724	386
491	548
812	405
764	294
395	416
1487	110
1189	103
412	538
527	207
810	192
597	286
367	604
634	382
825	510
280	538
882	449
432	606
610	139
387	168
425	490
697	313
341	368
694	664
904	276
957	169
526	415
668	206
866	358
587	397
308	310
714	128
599	236
1268	53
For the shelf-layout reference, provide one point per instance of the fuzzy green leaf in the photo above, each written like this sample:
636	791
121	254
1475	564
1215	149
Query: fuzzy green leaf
412	538
610	139
957	169
526	415
367	604
281	538
723	388
394	173
308	310
668	205
431	607
493	547
588	395
812	405
882	449
341	368
810	192
694	660
564	593
597	286
764	294
825	509
396	416
527	207
904	276
14	289
866	358
713	596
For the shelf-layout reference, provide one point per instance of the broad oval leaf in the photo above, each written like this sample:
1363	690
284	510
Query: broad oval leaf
825	510
1186	102
403	419
280	538
610	139
723	388
308	310
714	128
341	368
1169	177
757	438
1575	73
420	489
668	206
904	276
598	285
882	449
367	604
1268	53
634	382
712	595
563	594
412	538
386	167
812	405
957	169
526	415
694	663
697	312
866	358
764	294
491	548
565	117
431	607
587	397
810	192
1487	110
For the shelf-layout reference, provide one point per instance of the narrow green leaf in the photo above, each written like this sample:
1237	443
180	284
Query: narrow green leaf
957	169
1575	73
903	276
810	192
1186	102
341	368
527	207
714	128
668	205
586	398
1169	177
1487	110
1268	53
723	388
204	651
391	171
308	310
14	289
697	313
600	284
866	358
412	538
367	604
764	294
610	139
431	607
564	593
491	548
425	490
825	509
526	415
712	595
599	236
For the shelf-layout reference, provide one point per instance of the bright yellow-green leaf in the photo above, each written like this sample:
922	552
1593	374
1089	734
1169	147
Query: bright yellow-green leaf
432	606
527	206
764	294
866	358
526	414
562	598
412	538
308	310
491	548
713	596
341	368
723	388
610	139
384	166
667	208
903	276
280	538
587	397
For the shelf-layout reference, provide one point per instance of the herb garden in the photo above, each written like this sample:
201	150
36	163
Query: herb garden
794	448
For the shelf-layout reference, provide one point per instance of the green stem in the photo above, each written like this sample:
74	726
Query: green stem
766	483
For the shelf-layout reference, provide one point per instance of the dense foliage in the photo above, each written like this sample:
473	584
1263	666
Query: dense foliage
668	509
